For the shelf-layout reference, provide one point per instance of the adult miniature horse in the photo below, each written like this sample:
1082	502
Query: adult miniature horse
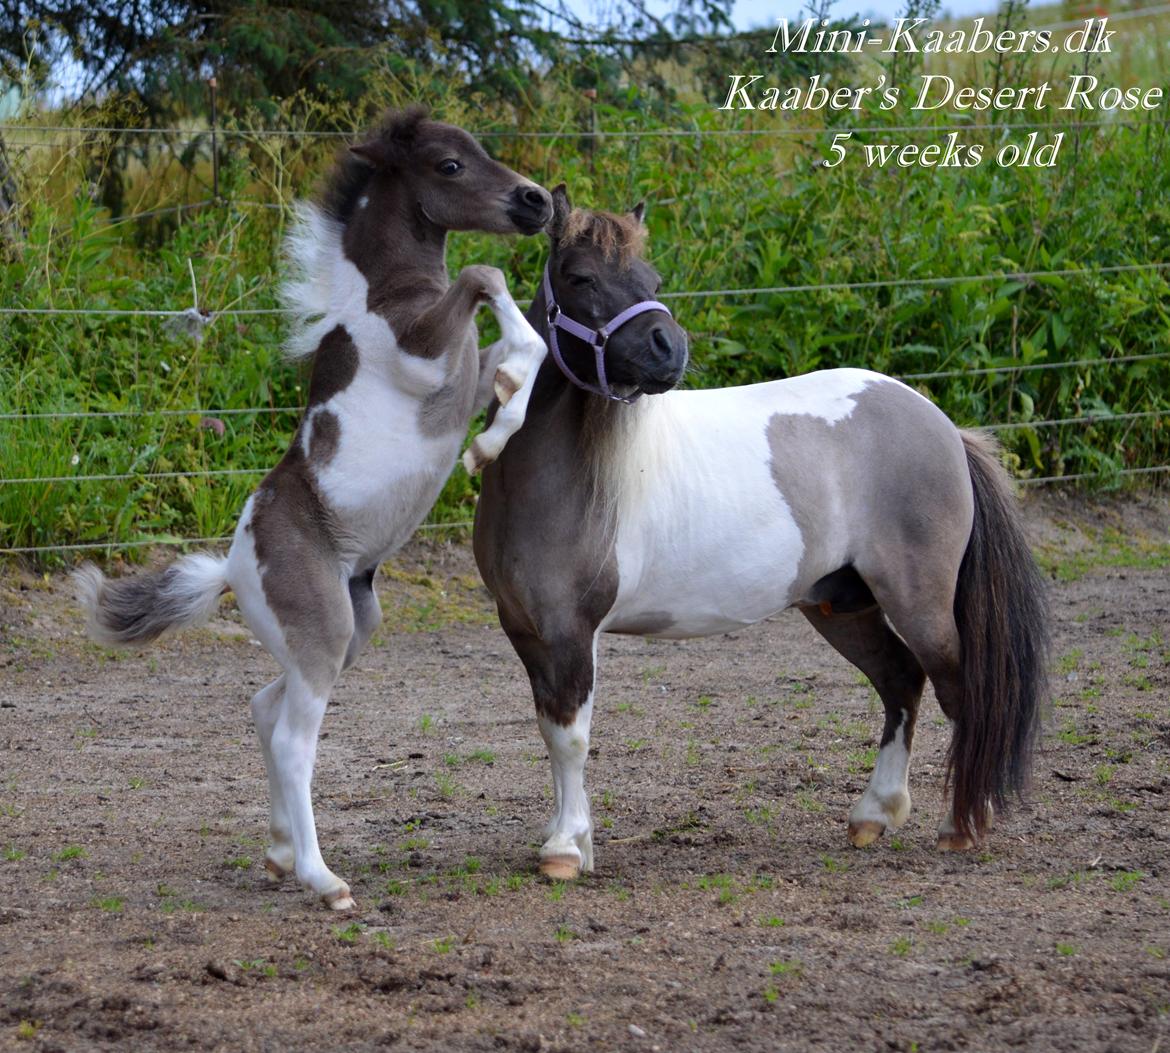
397	374
842	493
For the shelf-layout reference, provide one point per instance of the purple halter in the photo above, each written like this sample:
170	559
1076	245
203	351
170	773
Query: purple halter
595	338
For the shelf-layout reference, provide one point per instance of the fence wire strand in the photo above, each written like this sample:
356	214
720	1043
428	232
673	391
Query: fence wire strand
766	290
85	546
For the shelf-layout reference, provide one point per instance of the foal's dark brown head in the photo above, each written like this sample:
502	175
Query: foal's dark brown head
596	271
438	172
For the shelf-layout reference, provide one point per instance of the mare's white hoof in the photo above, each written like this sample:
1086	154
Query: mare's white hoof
954	842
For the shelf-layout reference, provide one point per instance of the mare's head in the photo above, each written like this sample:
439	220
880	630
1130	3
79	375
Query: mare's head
596	272
441	174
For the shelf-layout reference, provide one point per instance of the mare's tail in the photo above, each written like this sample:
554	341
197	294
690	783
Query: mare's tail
141	608
1002	613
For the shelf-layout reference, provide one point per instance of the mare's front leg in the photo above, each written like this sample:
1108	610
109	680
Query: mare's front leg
561	669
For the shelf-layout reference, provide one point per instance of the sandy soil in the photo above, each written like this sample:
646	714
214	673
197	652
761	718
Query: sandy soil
727	910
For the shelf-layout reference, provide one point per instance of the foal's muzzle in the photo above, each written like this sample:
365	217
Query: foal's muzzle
530	208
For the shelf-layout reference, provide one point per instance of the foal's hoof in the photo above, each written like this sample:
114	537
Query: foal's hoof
474	458
274	871
865	832
561	868
339	899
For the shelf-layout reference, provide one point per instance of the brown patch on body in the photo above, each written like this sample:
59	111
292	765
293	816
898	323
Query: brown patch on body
335	364
296	549
324	437
896	461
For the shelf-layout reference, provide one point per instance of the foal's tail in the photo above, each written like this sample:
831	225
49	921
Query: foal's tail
1002	614
142	608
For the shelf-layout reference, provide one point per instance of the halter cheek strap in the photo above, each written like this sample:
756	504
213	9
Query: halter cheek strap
595	338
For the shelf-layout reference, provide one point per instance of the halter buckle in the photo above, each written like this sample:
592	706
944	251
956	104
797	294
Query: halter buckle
553	313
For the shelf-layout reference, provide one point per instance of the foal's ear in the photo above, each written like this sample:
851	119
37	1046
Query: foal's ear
562	206
373	152
638	211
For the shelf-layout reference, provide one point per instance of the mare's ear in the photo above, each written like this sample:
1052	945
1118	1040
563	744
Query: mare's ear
638	211
562	206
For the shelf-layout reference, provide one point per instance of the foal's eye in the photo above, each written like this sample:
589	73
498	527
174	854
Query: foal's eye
449	167
581	281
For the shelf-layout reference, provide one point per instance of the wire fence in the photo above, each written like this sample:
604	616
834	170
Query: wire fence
203	316
208	316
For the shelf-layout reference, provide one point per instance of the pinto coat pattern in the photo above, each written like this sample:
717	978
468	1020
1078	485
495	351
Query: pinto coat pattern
842	493
396	376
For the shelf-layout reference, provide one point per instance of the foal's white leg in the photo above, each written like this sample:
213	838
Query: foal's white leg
280	858
512	363
568	850
294	752
489	443
524	350
886	801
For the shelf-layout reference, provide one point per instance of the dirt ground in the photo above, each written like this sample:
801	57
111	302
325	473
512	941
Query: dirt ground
727	910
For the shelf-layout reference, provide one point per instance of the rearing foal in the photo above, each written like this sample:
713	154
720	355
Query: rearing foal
842	493
396	376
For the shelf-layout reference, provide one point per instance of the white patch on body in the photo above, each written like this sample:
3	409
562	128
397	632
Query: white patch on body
703	533
385	474
887	796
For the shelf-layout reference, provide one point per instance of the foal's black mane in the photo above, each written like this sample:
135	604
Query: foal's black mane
351	174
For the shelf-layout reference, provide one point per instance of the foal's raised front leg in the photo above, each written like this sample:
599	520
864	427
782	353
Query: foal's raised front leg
508	369
562	674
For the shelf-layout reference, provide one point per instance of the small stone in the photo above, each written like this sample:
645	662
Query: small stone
636	1031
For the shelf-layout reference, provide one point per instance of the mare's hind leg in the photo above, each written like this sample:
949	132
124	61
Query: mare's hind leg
922	611
868	642
561	670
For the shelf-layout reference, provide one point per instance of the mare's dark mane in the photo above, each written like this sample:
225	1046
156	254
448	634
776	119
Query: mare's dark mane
351	174
616	237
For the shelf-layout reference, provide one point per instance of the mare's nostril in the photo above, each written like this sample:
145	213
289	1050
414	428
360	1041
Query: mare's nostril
535	197
661	341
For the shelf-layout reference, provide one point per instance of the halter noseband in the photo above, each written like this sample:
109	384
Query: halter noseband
595	338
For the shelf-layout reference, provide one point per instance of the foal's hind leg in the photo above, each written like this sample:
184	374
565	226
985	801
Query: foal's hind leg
280	859
367	613
306	620
868	642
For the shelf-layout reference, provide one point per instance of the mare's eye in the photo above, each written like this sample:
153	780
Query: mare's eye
449	167
581	281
